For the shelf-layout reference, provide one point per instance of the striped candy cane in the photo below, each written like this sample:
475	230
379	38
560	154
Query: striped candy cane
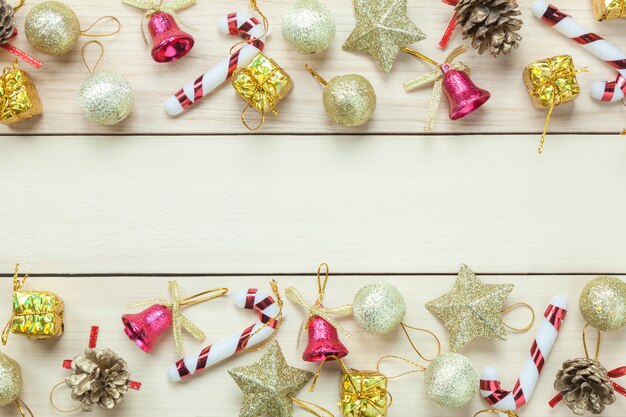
240	23
525	385
600	90
251	299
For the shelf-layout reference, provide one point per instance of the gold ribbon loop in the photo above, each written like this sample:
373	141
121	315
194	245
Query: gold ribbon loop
82	53
102	35
405	328
419	367
515	306
20	407
310	407
278	319
597	342
266	26
17	285
509	413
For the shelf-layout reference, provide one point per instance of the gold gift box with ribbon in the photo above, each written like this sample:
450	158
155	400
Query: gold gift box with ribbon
363	394
37	314
19	96
609	9
552	81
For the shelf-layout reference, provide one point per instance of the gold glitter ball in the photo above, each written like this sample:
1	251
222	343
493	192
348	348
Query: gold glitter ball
603	303
451	380
269	385
378	307
349	100
308	26
106	98
472	309
52	28
10	380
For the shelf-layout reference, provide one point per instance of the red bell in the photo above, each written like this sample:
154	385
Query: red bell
145	327
463	95
169	42
323	341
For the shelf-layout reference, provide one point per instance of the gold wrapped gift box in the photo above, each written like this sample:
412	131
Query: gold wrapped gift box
37	314
363	394
609	9
552	81
19	96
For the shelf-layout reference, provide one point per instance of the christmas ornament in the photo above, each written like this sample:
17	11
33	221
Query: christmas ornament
240	23
540	349
53	28
11	384
349	100
603	303
105	97
378	307
609	9
383	27
19	99
261	84
491	24
451	380
270	318
36	314
321	324
600	90
473	309
551	82
453	79
8	32
308	26
145	327
99	378
169	42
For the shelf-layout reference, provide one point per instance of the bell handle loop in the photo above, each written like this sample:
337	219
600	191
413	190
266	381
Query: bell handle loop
405	328
420	368
60	410
278	318
316	75
19	4
85	32
21	405
420	56
515	306
198	298
82	53
310	407
266	25
509	413
321	285
597	342
243	119
319	369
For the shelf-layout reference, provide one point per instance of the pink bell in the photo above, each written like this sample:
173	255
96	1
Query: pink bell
145	327
462	93
169	42
323	341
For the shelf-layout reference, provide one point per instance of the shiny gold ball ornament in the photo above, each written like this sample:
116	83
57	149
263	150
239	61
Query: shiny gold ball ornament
603	303
349	100
451	380
378	307
10	380
52	28
106	98
308	27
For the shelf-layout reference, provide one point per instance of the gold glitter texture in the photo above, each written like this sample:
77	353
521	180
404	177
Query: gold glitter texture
37	314
472	309
378	307
603	303
451	380
609	9
269	385
363	394
349	100
382	28
52	28
19	99
10	380
308	26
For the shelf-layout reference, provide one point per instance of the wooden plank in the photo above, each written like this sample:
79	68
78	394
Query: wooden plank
92	301
509	110
283	203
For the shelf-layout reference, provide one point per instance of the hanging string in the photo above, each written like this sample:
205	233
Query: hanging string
310	407
513	307
82	53
404	329
597	342
102	35
420	56
17	285
19	4
419	367
316	75
266	25
19	402
278	319
60	410
509	413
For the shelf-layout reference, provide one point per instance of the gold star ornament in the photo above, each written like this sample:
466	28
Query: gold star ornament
382	28
472	309
270	385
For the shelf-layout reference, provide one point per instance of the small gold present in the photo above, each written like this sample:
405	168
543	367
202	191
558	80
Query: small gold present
363	394
262	84
18	95
609	9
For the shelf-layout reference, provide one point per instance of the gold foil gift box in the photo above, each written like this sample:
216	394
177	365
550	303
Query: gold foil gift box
609	9
19	96
262	84
363	394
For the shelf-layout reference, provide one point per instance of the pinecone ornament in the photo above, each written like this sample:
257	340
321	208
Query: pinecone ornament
585	386
6	21
99	377
491	24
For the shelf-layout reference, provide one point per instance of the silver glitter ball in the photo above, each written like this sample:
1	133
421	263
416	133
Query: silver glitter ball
106	98
378	307
451	380
308	27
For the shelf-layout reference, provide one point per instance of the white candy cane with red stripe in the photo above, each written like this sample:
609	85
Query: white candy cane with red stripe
240	23
499	398
601	48
252	299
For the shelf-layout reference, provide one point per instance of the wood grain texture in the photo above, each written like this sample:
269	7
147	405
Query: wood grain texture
509	110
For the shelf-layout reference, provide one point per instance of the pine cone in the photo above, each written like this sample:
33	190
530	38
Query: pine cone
6	21
491	24
585	385
98	377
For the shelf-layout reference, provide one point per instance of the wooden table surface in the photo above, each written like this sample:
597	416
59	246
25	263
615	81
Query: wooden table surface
104	216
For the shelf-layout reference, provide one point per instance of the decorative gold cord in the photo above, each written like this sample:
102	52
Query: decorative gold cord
420	56
60	410
419	367
597	342
243	119
316	75
197	298
85	32
278	319
19	4
513	307
319	369
509	413
21	409
17	285
82	53
310	407
253	5
404	329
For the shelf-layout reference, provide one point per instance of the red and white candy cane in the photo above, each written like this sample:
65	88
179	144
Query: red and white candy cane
269	318
600	47
240	23
501	399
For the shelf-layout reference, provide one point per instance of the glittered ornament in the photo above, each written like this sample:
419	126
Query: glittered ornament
308	26
378	307
11	384
451	380
8	32
105	97
603	303
349	100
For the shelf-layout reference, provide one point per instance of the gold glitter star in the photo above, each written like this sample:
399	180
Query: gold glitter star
472	309
382	28
269	385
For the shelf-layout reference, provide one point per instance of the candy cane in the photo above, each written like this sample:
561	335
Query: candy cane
241	23
252	299
539	351
600	90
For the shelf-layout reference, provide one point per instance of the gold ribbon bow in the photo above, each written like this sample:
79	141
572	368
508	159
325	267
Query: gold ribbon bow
170	7
435	77
17	285
179	321
316	309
